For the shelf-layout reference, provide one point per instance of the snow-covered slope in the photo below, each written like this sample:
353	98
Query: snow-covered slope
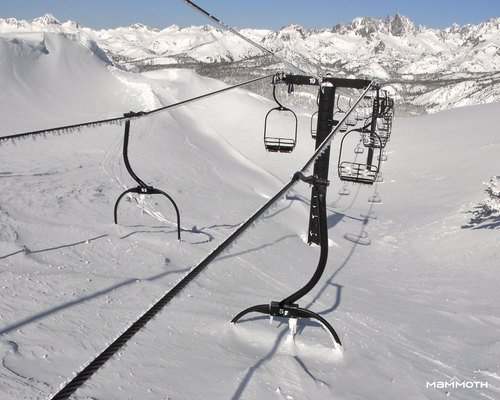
428	69
411	291
55	79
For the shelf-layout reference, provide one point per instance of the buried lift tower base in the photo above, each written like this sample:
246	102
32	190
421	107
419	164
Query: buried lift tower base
142	188
287	308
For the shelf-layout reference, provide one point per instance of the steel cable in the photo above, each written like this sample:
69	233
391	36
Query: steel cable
136	115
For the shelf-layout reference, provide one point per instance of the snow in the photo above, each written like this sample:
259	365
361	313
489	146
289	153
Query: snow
411	289
393	50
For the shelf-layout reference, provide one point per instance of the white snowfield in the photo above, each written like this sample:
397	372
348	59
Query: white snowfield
411	291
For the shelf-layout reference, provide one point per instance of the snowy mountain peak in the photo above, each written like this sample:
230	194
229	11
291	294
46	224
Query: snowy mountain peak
12	23
396	25
71	25
288	31
363	26
47	19
173	28
142	27
9	21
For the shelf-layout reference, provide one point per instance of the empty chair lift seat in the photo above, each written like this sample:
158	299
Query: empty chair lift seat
281	145
357	172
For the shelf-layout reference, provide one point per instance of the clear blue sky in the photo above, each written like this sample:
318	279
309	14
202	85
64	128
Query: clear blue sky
271	14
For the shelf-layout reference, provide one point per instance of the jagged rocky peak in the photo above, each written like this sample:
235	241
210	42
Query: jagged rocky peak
399	25
454	28
47	19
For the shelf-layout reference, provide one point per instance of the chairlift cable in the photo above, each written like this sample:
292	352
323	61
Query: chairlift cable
137	115
215	92
62	128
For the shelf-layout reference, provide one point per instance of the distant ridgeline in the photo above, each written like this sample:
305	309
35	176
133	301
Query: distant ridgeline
426	70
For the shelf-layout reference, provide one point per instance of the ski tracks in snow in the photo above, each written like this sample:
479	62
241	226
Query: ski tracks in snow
10	379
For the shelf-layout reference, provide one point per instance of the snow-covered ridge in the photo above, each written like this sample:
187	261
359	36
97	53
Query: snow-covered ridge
394	51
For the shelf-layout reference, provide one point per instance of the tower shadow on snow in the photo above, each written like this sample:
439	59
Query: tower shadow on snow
80	300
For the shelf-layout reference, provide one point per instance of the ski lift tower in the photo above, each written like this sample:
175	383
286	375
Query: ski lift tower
326	124
318	229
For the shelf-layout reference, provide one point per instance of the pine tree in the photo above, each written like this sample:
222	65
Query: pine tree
488	210
491	205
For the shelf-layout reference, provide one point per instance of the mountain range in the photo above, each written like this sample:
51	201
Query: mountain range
427	70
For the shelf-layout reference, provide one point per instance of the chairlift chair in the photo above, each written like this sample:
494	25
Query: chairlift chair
367	107
367	100
367	113
357	172
343	127
384	128
350	121
279	144
384	132
386	104
384	124
375	140
386	108
352	171
359	115
383	102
